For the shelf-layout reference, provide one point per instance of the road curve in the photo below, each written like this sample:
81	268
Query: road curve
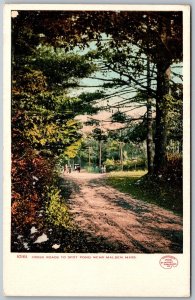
136	226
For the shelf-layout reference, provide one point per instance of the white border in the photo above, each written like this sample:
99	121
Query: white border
142	277
93	7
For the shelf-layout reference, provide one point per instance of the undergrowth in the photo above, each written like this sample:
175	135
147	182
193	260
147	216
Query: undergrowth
57	210
160	190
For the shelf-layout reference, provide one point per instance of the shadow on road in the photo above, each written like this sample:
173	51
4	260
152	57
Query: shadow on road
72	241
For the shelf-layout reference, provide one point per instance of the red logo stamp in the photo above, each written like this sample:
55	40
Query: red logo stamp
168	262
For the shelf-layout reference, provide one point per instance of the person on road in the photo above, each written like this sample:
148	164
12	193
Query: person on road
65	169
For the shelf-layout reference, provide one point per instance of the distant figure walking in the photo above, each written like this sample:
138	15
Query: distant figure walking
65	168
69	169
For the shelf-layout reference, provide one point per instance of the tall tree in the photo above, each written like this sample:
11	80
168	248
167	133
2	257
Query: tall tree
43	124
158	34
100	136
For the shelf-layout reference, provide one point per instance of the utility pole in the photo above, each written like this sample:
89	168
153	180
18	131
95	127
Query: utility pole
121	151
100	154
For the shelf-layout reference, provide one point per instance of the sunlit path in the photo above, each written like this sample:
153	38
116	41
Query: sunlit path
105	212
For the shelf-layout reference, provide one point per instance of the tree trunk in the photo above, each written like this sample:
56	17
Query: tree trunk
149	123
163	72
149	136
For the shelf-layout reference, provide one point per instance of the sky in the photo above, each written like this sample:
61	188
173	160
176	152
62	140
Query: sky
94	84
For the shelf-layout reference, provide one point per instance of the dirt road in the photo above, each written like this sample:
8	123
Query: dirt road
133	225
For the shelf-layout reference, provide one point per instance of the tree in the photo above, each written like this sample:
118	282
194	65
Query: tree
133	78
43	124
100	136
157	34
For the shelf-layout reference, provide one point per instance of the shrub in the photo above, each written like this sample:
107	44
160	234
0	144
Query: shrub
56	209
30	175
174	167
128	165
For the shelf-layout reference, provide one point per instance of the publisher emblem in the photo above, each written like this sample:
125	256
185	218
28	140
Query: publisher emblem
168	262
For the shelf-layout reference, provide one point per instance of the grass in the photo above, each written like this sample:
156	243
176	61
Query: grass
152	189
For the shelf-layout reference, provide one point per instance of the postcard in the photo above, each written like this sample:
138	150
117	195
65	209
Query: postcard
96	150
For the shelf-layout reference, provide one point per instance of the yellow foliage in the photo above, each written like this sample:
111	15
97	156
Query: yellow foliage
72	150
72	122
50	129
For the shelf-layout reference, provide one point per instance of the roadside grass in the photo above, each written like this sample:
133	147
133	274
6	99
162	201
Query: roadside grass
158	190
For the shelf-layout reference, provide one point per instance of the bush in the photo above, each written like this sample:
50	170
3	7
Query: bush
56	210
92	169
128	165
30	174
137	164
174	167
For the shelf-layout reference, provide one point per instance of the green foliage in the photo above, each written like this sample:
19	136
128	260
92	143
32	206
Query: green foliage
158	190
119	117
88	97
112	151
85	106
69	28
88	147
128	165
43	125
175	117
56	210
38	89
137	132
61	69
98	134
43	115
